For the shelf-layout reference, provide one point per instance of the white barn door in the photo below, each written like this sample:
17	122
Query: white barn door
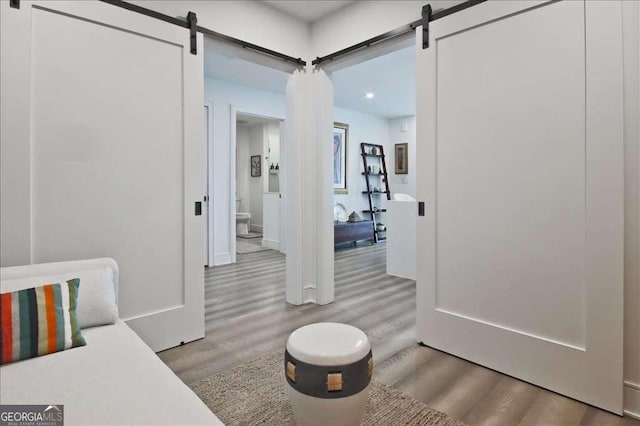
520	144
109	113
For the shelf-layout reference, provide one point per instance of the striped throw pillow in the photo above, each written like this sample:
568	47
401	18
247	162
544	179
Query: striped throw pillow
39	321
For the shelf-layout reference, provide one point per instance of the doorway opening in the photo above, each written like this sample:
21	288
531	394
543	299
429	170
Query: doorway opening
245	92
374	149
258	164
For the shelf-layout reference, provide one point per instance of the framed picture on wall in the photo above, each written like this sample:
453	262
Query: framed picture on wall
340	145
256	169
402	158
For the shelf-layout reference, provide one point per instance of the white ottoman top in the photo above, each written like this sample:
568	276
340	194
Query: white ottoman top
328	343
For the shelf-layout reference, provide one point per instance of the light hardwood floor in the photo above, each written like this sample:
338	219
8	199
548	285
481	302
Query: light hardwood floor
246	317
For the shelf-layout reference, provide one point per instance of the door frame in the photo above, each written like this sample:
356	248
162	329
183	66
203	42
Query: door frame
209	188
283	189
233	186
233	145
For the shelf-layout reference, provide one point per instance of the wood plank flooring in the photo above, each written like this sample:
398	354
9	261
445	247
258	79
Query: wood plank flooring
246	317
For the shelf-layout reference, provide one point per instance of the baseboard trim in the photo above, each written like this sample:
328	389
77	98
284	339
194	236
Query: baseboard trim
310	294
273	245
632	385
631	414
632	400
255	228
401	275
222	259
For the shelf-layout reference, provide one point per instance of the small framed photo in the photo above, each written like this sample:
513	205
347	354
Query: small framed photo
340	150
402	158
256	169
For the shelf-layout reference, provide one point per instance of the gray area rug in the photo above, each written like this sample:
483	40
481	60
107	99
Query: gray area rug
255	394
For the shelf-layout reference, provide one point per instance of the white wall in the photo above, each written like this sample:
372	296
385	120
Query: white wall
256	187
272	154
362	128
271	221
225	97
273	136
222	198
401	239
405	184
245	99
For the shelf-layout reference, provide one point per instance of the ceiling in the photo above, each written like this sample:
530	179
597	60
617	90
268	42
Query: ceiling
308	11
390	77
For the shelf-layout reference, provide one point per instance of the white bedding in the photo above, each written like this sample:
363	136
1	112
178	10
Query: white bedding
116	379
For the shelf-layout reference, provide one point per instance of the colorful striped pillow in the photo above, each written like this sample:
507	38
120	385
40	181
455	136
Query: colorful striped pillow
39	321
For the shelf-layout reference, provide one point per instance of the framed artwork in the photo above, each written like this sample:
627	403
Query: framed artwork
402	158
256	169
340	149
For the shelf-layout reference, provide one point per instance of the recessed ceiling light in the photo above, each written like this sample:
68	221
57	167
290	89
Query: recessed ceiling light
369	95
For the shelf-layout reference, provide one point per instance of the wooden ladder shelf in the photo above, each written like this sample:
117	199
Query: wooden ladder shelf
375	154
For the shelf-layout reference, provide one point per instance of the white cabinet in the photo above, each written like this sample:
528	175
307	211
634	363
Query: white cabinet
401	238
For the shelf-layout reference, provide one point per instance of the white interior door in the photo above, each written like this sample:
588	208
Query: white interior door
112	106
520	144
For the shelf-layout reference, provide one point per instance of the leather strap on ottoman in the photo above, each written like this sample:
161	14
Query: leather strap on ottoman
328	381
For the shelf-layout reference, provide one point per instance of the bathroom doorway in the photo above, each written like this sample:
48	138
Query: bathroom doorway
242	83
258	163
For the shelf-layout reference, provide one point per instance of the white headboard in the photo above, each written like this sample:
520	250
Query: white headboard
55	268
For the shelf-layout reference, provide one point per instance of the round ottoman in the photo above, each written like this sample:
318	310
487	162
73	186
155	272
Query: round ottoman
328	368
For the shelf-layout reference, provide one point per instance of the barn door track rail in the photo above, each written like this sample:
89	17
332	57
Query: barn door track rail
428	15
246	45
191	23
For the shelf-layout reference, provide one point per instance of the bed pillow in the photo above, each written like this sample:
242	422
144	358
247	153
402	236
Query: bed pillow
39	321
97	299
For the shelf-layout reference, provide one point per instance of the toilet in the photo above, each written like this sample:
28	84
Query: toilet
242	219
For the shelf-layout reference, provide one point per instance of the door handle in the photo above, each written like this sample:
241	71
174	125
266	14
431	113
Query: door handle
198	211
420	208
